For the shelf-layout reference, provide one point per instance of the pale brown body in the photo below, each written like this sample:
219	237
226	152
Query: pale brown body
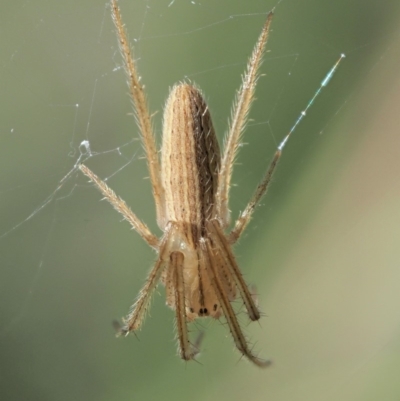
191	191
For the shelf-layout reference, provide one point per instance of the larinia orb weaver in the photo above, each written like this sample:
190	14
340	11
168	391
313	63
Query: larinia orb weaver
191	191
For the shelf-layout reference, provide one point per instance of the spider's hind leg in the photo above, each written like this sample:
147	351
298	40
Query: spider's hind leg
211	255
223	246
175	286
138	311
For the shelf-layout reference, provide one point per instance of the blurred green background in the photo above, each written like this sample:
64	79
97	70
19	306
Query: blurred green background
323	249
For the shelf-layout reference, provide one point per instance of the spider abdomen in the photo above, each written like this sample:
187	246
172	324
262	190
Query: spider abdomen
190	160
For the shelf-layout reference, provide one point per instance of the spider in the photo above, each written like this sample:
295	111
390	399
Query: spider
191	191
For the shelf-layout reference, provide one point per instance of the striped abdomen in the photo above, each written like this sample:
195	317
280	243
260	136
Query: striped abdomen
190	160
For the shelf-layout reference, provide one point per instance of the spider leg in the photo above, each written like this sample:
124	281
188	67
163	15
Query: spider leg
187	352
245	216
261	189
138	311
236	331
223	245
121	207
240	112
142	115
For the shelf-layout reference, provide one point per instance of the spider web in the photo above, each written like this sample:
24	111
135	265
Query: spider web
68	265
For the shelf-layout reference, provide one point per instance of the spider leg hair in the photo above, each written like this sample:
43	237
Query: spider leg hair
260	191
229	313
138	310
142	114
244	99
223	246
186	351
121	207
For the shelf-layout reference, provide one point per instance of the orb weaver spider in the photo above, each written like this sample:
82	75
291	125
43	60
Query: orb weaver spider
191	191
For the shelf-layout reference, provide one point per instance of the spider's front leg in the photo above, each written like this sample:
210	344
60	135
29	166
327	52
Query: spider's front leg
240	112
143	116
